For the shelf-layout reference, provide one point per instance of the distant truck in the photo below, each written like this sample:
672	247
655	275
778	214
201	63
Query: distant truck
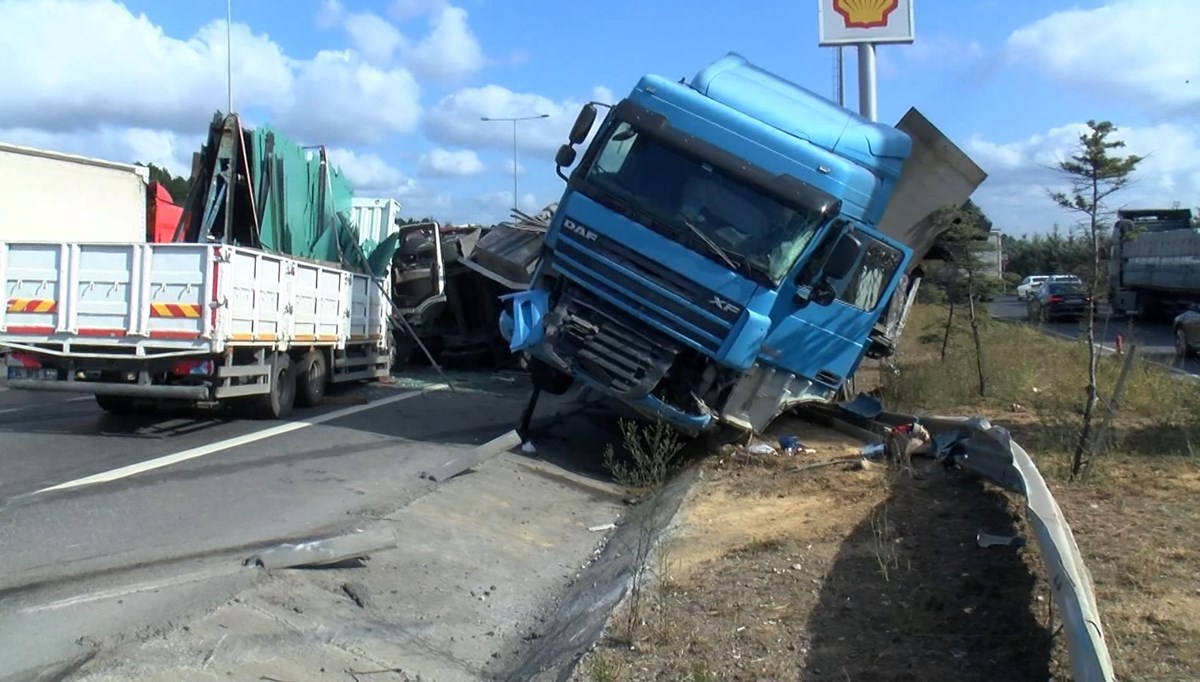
1153	268
730	247
64	197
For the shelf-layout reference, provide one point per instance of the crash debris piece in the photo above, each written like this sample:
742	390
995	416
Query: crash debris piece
991	540
760	449
453	467
325	552
602	527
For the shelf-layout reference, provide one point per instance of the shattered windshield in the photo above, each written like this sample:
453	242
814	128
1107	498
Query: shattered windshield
689	196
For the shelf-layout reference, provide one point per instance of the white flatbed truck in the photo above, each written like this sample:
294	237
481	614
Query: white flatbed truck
138	323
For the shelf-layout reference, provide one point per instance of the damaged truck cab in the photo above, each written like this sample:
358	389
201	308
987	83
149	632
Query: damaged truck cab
714	257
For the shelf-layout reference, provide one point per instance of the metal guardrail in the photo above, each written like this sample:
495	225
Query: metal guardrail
989	451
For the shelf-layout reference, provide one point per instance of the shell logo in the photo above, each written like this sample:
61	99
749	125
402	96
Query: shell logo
865	13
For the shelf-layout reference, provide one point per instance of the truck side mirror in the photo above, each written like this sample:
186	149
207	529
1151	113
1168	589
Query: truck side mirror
822	293
565	156
583	124
843	257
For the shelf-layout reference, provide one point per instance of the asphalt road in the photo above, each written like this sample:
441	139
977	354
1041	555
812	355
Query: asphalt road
1155	340
91	503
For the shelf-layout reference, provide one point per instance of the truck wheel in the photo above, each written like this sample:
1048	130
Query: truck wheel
117	404
278	402
548	378
312	376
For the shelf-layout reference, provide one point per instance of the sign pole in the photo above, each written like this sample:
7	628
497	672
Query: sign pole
840	69
866	81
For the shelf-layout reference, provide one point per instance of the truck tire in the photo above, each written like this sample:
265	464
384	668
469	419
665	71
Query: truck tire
548	378
277	403
117	404
312	376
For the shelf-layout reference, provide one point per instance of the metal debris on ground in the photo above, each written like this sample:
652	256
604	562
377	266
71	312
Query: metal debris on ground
472	458
601	527
990	540
761	449
325	552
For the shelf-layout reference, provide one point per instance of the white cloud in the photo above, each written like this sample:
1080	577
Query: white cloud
508	167
450	51
373	36
456	118
73	65
407	9
329	14
1143	52
338	99
446	163
501	202
163	148
1014	195
368	174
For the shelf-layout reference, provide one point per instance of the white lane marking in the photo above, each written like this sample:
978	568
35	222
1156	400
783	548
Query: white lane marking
130	589
219	446
23	408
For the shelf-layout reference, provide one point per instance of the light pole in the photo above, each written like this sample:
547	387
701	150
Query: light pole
514	120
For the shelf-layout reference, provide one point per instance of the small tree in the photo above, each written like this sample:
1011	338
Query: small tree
963	230
1093	174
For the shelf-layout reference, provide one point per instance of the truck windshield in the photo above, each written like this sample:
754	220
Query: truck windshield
684	195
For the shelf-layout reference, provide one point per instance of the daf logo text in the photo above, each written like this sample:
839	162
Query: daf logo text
723	305
580	230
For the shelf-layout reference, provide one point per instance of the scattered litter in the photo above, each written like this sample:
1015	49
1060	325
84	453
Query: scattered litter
760	449
528	447
602	527
325	552
792	445
873	451
990	540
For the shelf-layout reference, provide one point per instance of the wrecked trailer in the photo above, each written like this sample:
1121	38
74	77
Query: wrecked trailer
451	289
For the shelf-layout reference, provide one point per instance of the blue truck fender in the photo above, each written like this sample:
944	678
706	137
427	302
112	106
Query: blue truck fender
522	328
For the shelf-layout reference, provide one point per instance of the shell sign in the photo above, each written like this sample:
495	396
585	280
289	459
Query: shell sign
843	22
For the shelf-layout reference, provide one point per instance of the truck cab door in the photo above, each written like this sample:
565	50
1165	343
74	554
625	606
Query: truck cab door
823	317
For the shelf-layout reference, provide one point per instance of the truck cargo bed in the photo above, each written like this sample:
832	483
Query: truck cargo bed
180	298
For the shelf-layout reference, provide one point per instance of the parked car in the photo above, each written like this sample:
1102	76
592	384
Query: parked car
1187	333
1028	286
1059	300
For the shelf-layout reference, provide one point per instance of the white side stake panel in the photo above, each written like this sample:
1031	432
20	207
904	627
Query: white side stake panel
129	319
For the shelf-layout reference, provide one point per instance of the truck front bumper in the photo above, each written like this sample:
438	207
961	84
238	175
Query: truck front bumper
605	354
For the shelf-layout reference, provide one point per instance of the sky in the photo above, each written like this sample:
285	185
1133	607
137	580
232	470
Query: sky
396	88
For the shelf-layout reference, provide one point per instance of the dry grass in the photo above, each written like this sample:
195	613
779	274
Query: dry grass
833	574
1037	382
838	574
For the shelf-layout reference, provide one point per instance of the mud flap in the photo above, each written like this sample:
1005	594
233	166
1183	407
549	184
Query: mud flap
522	328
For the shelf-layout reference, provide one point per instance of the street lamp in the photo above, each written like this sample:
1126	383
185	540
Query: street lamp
514	120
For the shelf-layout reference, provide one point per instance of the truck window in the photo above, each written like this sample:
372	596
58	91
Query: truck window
612	157
864	286
683	193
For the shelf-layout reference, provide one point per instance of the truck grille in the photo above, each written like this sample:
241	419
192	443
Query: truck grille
651	290
608	349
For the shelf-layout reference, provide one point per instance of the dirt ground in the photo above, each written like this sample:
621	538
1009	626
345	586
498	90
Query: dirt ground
836	573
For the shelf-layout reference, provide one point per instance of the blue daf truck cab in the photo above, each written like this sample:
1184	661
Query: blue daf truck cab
715	256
